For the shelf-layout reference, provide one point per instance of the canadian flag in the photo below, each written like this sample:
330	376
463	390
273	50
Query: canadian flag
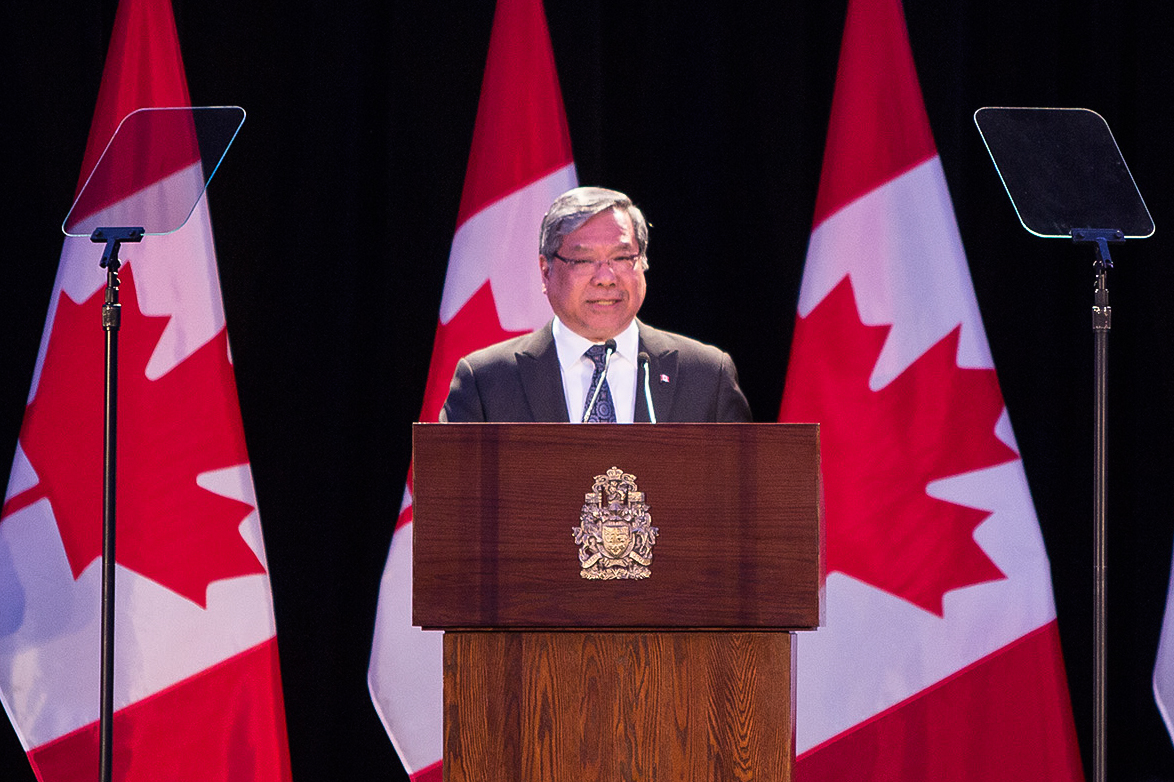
197	690
519	163
940	658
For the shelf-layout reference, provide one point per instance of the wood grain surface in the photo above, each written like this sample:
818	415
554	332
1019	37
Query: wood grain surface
618	706
737	507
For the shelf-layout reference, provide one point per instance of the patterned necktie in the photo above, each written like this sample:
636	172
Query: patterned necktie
604	412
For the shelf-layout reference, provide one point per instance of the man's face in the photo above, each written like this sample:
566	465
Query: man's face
596	300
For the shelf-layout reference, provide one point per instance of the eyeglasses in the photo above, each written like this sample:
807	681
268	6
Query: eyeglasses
585	266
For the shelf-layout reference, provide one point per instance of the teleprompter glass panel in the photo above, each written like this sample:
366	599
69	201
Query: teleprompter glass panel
1063	171
154	169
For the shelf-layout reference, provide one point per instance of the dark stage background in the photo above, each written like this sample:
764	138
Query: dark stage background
335	209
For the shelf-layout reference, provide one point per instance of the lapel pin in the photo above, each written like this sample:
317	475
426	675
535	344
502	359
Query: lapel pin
664	378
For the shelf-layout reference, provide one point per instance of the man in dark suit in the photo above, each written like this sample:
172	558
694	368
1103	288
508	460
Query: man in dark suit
592	257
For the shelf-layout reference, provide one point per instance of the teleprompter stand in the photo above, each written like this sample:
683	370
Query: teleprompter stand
1067	180
147	182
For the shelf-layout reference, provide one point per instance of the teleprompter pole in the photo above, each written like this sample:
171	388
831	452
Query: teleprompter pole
1101	323
111	322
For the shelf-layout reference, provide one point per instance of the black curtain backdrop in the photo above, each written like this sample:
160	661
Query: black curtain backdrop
335	209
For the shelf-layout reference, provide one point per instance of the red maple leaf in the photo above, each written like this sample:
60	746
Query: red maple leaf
882	448
475	326
170	430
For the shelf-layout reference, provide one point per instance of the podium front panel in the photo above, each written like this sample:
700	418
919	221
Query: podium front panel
737	509
565	707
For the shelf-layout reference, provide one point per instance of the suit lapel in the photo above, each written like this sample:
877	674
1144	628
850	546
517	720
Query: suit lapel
542	378
662	375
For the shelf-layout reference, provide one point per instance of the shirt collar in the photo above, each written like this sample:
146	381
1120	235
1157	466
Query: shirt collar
571	346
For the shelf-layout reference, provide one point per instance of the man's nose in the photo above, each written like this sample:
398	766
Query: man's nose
604	274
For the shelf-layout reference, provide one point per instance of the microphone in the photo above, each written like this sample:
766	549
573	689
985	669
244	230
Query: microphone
642	361
609	347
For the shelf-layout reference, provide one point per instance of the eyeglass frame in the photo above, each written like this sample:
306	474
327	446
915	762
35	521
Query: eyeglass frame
574	264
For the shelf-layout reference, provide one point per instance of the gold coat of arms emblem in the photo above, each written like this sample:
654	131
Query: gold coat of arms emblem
615	533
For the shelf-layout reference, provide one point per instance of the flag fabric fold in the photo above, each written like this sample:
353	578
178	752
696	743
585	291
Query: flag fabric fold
940	656
1163	678
519	163
197	684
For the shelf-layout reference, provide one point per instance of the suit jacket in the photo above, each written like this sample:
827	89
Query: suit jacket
519	380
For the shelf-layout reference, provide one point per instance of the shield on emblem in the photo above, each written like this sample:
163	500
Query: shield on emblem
617	538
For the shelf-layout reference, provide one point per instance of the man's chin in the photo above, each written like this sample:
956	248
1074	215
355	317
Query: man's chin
601	332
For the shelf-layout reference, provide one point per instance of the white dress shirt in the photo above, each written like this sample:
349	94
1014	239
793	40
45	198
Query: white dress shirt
577	370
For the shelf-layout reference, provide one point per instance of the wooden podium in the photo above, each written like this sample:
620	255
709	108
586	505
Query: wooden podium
687	674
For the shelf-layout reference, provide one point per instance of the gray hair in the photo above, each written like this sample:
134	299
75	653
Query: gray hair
575	207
